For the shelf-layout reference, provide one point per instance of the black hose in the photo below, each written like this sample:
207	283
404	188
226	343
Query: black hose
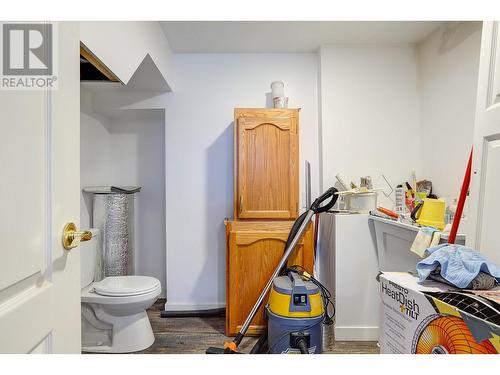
293	231
295	228
317	209
277	341
302	345
330	193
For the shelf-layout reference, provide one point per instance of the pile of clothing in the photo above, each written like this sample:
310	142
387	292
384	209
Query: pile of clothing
459	266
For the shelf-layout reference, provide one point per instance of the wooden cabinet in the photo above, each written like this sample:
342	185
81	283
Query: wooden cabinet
266	164
253	251
266	196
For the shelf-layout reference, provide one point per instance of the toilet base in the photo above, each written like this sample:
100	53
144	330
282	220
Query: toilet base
127	334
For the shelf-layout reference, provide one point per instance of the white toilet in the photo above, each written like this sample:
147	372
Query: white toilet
114	318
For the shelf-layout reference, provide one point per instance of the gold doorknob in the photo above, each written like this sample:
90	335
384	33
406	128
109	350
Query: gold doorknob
71	238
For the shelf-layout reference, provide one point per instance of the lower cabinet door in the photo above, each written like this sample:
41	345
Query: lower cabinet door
253	251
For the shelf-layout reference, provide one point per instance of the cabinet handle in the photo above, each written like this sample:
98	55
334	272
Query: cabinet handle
241	204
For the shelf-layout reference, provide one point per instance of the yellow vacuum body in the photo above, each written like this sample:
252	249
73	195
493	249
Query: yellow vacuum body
295	312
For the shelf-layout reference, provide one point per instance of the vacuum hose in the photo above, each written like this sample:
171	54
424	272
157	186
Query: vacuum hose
303	347
315	207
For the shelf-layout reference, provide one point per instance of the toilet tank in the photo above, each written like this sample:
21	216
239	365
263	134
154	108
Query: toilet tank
88	258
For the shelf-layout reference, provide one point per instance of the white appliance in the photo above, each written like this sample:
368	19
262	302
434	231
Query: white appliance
114	318
394	240
348	265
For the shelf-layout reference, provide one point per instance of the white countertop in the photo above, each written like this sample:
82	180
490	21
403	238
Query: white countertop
413	227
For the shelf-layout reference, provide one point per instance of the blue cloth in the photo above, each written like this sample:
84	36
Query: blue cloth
459	264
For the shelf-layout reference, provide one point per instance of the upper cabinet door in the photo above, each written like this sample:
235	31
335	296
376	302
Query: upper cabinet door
267	154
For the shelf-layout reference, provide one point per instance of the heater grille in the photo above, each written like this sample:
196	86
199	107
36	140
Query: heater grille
472	304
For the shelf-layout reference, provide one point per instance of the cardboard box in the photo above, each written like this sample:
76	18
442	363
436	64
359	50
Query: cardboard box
436	318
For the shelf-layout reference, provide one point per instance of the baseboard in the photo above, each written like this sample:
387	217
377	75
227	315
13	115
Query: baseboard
193	306
356	333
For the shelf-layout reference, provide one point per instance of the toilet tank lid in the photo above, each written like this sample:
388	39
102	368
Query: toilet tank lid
111	189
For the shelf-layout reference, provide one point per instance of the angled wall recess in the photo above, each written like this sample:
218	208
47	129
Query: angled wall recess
92	69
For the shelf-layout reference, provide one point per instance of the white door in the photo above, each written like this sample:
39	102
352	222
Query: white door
485	189
39	192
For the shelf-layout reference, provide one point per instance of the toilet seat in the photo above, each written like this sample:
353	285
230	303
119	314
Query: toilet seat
126	286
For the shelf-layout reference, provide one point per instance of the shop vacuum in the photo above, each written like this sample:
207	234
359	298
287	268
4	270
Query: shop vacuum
298	304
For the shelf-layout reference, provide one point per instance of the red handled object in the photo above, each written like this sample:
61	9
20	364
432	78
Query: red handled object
388	212
461	201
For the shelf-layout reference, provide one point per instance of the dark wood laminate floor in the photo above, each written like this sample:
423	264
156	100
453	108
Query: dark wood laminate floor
194	335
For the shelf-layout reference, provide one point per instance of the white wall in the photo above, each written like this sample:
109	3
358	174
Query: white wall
377	103
129	149
448	63
369	113
95	152
200	157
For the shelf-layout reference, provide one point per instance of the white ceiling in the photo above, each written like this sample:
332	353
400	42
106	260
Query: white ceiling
287	36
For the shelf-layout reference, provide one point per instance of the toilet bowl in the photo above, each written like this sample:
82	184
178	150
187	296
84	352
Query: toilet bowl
114	318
